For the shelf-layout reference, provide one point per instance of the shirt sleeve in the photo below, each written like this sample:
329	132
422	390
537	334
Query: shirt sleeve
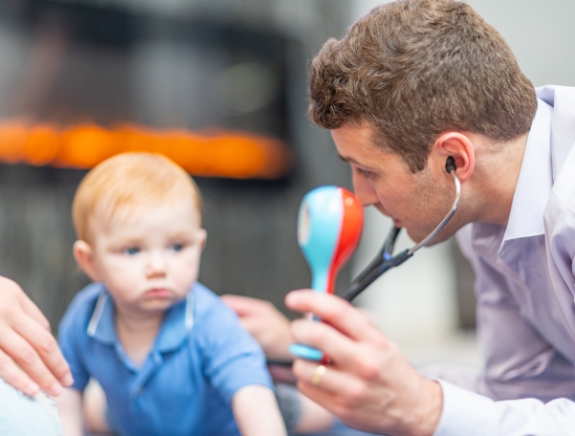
69	341
470	414
232	358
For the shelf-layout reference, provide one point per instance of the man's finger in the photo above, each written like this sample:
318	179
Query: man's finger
47	348
14	376
330	379
335	311
242	305
355	357
346	352
323	397
21	352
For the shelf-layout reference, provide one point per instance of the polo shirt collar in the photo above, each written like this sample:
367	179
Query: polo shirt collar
101	326
534	183
176	326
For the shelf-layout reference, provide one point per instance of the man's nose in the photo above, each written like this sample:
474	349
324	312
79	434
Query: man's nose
156	265
364	191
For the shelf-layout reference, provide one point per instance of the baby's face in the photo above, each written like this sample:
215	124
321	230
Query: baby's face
149	261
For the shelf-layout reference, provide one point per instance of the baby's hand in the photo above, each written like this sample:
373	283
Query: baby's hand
257	413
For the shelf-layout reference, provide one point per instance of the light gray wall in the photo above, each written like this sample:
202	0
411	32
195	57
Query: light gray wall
541	34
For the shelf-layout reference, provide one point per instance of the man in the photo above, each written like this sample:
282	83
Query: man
411	84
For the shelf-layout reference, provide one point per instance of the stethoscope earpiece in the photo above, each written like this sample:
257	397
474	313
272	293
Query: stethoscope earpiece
450	164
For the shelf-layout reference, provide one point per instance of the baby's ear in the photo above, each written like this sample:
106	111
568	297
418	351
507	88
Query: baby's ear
84	256
203	235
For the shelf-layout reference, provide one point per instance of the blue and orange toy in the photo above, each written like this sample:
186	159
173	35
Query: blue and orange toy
329	227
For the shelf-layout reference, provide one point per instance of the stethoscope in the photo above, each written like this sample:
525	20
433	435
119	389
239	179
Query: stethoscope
385	260
329	226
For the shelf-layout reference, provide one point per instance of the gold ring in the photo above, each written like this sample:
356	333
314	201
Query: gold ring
318	374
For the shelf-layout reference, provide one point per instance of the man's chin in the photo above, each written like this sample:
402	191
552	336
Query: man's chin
417	236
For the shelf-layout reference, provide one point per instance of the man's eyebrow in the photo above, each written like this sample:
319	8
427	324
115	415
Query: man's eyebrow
347	159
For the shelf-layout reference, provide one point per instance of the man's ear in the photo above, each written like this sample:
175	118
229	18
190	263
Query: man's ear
84	256
460	147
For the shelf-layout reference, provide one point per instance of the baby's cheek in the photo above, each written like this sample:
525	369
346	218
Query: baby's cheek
123	277
187	271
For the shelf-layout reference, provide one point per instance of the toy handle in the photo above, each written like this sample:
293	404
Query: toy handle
329	227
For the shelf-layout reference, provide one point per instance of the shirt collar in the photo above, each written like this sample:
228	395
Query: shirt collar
563	124
176	326
535	180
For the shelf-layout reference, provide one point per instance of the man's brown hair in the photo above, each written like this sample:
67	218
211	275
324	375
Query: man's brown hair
417	68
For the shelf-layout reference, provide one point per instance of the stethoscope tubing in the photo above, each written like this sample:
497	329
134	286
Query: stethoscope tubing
385	260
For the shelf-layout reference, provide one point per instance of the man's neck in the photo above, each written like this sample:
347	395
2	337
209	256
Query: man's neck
137	333
497	172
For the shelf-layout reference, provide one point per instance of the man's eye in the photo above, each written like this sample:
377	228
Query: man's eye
132	250
178	247
366	174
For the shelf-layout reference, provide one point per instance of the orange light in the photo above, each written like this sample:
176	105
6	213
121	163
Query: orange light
216	154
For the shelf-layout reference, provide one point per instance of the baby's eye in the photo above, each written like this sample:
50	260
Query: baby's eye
177	247
131	251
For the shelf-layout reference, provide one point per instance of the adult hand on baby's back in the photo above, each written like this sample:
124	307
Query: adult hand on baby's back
270	328
29	355
266	324
369	385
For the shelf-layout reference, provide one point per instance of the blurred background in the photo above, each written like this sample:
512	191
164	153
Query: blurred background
220	86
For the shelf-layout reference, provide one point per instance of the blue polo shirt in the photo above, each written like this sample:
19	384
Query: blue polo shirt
200	358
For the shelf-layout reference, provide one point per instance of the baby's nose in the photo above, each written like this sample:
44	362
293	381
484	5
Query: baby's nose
156	265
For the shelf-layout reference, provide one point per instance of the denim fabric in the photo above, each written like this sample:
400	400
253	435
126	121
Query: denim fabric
21	415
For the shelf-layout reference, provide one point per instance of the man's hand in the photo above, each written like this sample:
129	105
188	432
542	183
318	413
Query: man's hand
369	385
29	355
265	323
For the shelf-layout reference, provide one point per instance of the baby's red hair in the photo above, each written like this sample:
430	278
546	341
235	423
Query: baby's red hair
130	183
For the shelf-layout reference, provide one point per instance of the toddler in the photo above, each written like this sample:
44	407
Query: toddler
171	358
